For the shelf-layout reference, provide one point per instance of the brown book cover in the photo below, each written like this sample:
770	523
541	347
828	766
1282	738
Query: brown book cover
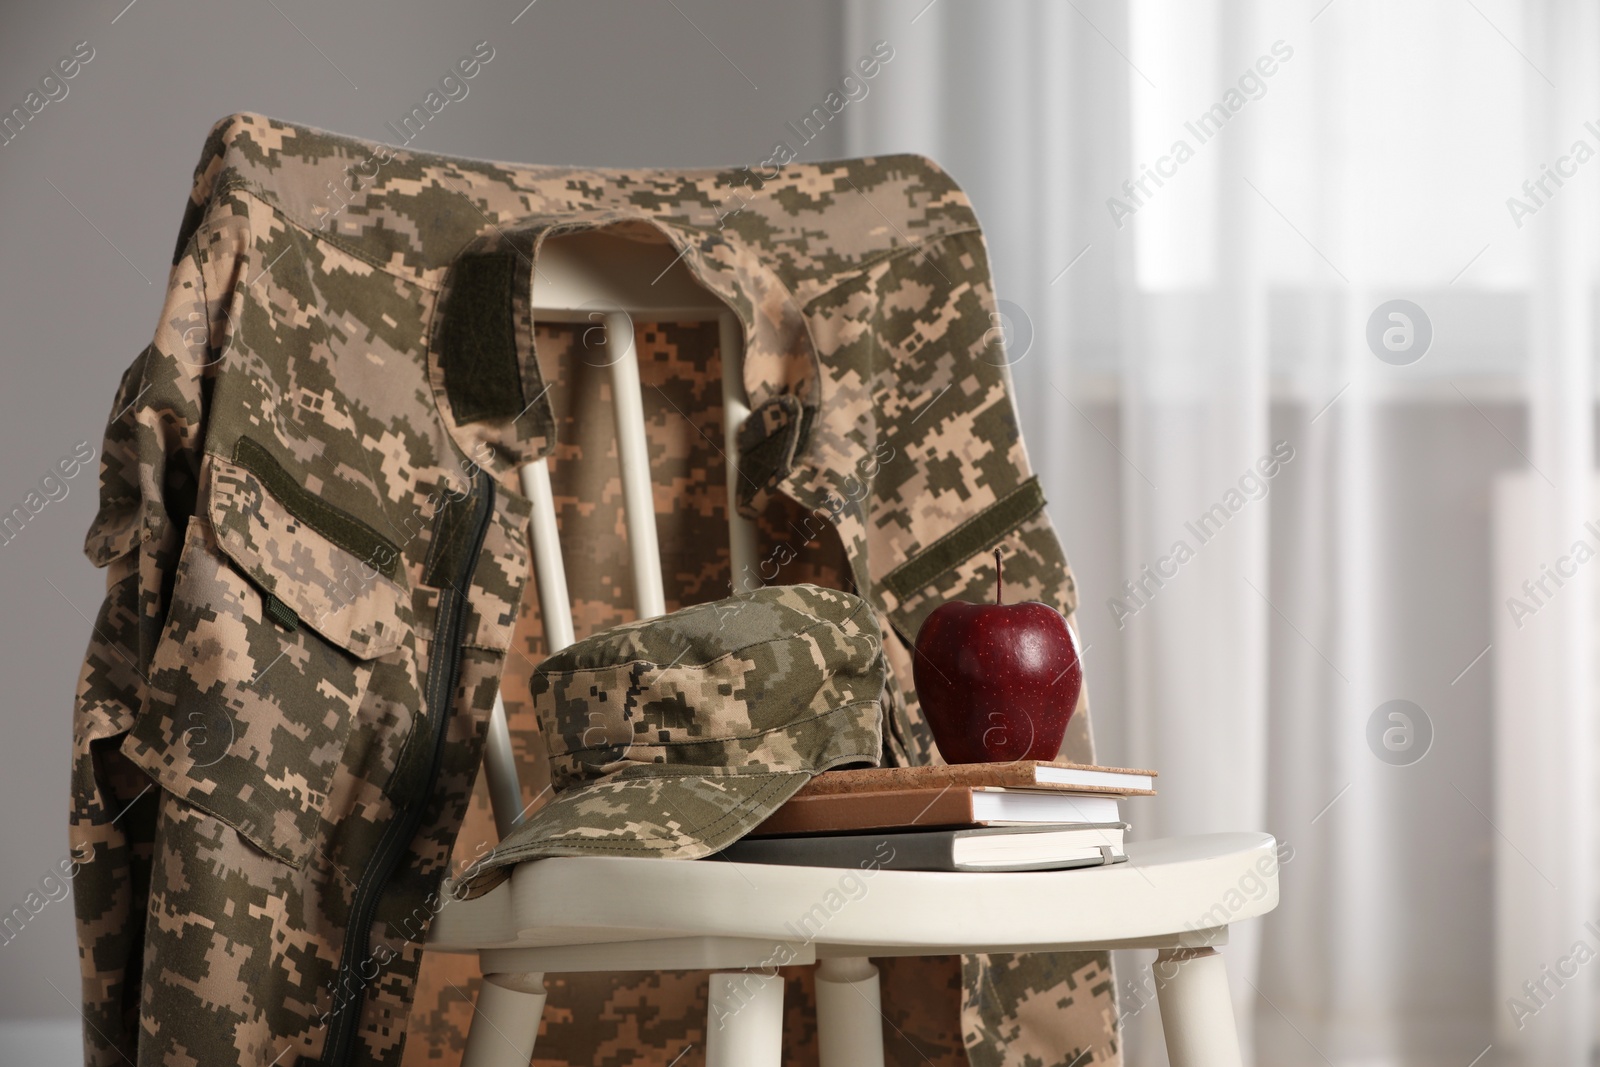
1025	774
928	808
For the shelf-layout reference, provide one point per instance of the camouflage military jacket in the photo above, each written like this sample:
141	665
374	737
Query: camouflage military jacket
317	565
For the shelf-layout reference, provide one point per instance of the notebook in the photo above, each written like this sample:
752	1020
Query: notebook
1039	848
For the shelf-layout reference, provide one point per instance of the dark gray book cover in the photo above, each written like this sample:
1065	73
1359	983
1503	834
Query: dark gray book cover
1004	848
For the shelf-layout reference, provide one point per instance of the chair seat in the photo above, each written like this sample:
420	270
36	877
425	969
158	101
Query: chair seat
1174	892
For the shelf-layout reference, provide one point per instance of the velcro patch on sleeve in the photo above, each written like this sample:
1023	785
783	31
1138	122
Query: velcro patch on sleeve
478	341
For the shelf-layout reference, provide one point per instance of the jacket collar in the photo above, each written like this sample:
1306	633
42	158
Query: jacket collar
485	371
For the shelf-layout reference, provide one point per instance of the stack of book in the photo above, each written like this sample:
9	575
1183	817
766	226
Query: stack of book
1025	816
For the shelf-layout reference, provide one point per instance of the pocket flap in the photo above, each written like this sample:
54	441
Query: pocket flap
957	565
329	570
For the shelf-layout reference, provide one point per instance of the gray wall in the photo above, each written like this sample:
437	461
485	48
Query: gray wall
605	83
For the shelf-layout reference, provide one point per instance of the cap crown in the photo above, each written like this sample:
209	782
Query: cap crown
746	682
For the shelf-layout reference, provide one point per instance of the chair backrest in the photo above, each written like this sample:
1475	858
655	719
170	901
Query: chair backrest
606	280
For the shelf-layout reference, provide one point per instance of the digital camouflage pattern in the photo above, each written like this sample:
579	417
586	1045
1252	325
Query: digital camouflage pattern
678	735
316	568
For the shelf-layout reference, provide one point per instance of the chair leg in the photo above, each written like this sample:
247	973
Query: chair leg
1196	1009
744	1020
849	1013
505	1021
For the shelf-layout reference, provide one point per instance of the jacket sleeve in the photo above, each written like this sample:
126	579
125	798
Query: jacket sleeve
148	474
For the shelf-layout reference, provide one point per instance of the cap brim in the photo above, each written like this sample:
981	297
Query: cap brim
658	813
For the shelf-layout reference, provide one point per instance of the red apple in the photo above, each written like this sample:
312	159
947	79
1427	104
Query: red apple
998	682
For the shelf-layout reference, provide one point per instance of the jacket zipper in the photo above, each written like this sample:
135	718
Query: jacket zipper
443	674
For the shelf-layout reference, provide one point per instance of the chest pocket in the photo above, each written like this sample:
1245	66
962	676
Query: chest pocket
280	607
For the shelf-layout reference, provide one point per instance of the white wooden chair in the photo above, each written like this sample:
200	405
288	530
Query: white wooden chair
744	920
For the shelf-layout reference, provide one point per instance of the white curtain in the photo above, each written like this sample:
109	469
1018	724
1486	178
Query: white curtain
1283	521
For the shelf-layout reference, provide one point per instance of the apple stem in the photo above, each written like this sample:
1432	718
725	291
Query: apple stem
999	584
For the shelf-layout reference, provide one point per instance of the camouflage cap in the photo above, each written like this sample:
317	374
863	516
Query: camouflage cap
677	735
